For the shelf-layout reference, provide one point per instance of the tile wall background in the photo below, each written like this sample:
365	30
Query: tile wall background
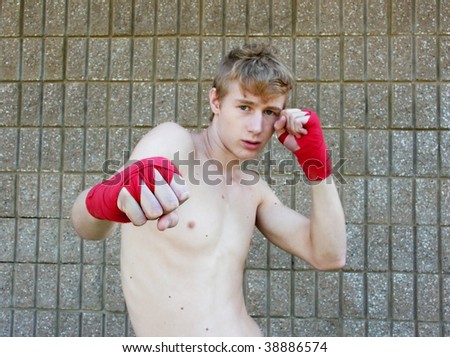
82	80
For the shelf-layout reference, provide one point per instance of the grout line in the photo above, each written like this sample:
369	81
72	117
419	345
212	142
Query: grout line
16	176
440	234
366	164
177	65
389	273
341	125
414	148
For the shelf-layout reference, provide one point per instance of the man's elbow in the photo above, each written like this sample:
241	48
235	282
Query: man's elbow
330	263
330	266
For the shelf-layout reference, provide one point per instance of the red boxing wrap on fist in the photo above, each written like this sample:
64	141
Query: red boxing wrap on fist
101	201
313	152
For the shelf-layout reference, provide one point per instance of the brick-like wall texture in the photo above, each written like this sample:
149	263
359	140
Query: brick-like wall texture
82	80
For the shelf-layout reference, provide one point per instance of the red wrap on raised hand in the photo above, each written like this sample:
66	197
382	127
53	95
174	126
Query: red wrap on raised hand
312	154
101	200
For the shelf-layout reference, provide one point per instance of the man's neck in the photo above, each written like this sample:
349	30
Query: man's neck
212	148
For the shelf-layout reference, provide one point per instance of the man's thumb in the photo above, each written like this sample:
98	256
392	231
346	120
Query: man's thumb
279	126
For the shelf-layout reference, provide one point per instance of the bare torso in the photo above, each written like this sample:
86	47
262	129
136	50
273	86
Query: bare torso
188	280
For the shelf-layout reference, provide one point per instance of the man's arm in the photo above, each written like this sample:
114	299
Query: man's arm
112	202
319	240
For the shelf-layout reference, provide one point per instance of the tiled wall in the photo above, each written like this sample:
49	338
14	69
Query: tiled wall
82	80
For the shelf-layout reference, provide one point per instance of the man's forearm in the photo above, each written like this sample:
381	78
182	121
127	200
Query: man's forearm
328	235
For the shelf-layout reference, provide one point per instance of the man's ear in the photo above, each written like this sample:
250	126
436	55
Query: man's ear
214	101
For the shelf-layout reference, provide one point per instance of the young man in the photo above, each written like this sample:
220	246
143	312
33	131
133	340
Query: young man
184	249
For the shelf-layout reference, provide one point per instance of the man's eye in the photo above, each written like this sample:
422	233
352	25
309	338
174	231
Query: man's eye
271	113
244	107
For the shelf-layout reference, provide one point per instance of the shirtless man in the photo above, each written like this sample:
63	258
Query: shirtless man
183	253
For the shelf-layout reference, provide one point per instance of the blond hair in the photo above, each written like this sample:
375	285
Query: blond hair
257	69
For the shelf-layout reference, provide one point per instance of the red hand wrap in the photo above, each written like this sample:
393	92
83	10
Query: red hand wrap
313	153
101	200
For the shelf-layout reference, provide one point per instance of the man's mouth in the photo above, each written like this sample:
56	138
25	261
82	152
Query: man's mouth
251	144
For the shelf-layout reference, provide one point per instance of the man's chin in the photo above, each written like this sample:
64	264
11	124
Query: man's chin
249	155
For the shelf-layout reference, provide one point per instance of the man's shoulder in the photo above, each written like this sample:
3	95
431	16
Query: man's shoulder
172	131
166	139
265	191
252	179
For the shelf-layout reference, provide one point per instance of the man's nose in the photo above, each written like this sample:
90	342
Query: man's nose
255	124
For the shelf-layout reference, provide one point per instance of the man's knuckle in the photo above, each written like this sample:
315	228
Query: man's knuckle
152	215
152	211
172	205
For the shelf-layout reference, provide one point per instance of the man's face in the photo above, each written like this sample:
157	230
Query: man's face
245	122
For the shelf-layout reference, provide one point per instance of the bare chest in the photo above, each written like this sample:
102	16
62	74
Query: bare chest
219	215
217	220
